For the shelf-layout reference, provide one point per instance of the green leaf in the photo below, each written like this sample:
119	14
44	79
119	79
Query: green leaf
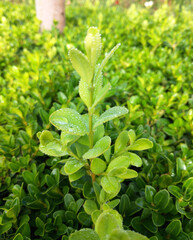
99	148
141	144
158	219
88	190
84	92
97	166
90	206
28	177
95	215
107	57
84	219
110	114
108	221
176	191
121	142
77	175
68	199
161	199
132	136
5	227
100	95
188	185
54	149
45	137
117	171
73	166
124	204
69	120
51	146
110	184
86	234
93	45
149	193
119	234
81	64
18	237
174	228
113	203
136	236
134	159
128	174
119	162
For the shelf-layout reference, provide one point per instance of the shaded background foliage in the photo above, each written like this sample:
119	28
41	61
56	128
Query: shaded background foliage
151	74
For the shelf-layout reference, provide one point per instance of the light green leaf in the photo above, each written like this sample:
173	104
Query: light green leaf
51	146
68	138
99	148
73	166
100	94
117	171
128	174
119	234
93	45
84	92
75	176
111	114
136	236
119	162
81	64
86	234
141	144
134	159
95	215
121	141
45	137
107	155
107	57
132	136
110	184
90	206
98	166
69	120
108	221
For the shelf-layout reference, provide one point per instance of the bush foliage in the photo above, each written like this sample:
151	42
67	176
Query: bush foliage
150	74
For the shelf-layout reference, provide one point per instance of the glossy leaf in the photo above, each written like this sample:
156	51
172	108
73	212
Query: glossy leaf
51	146
132	136
158	219
72	166
149	193
141	144
110	114
108	221
161	199
119	162
119	234
97	166
93	45
136	236
90	206
86	234
100	95
84	92
174	228
99	148
81	64
110	184
121	141
69	120
77	175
